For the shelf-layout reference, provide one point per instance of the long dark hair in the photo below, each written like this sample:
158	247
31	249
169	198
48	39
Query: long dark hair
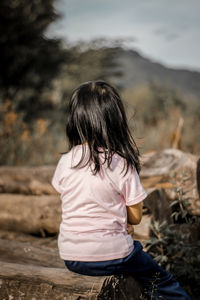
96	116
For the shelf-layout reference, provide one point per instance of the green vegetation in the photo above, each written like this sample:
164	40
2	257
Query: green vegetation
176	246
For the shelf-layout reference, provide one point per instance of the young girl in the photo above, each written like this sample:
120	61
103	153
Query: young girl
101	194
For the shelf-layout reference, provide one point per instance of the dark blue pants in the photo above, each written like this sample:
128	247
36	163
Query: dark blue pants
157	283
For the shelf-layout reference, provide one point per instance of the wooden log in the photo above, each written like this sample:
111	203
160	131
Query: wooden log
158	204
27	180
160	163
170	169
13	251
158	166
25	252
34	240
30	214
27	282
42	215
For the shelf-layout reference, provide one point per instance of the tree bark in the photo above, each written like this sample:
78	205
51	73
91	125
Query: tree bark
157	203
34	240
30	214
25	253
27	180
170	169
40	283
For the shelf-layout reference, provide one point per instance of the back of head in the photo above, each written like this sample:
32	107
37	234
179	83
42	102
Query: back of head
96	116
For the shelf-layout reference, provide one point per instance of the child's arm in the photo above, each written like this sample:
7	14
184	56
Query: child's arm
134	213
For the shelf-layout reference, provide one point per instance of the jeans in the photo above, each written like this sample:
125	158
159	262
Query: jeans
157	283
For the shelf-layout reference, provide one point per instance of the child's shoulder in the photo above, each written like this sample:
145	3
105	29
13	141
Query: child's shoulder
118	160
64	158
120	164
72	156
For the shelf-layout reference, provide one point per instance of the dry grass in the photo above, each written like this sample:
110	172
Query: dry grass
153	116
28	144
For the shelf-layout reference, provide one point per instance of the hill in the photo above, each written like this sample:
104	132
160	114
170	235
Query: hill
138	70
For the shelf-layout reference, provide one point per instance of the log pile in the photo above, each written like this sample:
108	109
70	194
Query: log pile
30	267
29	204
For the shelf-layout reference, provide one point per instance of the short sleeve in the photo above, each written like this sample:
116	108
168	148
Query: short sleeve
133	190
58	176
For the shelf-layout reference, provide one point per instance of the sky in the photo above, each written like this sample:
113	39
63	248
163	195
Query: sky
164	31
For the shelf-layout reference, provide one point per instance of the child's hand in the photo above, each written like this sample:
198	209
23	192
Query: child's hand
130	229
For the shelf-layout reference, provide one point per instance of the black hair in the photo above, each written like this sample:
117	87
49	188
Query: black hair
96	116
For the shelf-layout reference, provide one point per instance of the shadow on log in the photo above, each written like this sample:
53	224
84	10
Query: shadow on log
28	282
157	203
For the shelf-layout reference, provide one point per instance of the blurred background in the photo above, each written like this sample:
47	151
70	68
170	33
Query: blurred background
149	50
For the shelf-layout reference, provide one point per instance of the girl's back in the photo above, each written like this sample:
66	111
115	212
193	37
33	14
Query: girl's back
94	216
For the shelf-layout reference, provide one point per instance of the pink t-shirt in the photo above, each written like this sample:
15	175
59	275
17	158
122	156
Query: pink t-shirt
94	216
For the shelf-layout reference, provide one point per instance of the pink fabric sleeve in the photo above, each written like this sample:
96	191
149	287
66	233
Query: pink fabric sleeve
133	190
57	176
